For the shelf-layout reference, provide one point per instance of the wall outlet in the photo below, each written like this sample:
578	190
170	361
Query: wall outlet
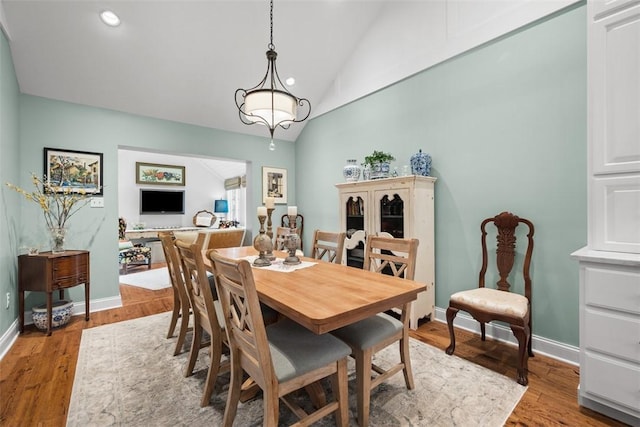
8	300
97	202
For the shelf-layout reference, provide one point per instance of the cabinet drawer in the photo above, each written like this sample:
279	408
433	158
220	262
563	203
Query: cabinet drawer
67	282
616	289
613	334
67	267
610	379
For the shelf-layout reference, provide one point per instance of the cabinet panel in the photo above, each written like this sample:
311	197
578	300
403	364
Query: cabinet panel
614	67
624	343
611	380
615	204
616	289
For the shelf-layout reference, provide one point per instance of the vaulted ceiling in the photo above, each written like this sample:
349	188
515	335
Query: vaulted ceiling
182	60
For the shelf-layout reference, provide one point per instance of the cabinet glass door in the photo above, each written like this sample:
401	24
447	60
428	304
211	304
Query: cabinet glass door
391	213
355	220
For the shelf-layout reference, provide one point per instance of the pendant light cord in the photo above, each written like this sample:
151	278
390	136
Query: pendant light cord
271	46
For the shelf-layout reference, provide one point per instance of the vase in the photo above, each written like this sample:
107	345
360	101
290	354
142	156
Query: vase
380	170
351	171
61	312
421	164
58	235
366	172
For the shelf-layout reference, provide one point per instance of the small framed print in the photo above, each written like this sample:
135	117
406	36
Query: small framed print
274	184
73	171
153	173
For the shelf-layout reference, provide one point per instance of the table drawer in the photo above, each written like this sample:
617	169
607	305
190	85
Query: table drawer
67	282
69	267
610	379
612	333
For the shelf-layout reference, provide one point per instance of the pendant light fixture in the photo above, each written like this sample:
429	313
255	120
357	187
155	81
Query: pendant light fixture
269	103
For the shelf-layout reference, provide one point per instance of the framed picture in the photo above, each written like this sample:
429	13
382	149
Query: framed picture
152	173
274	184
75	171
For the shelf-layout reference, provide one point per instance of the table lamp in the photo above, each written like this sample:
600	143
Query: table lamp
221	207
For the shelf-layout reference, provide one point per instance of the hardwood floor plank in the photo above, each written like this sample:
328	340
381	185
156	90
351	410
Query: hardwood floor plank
41	369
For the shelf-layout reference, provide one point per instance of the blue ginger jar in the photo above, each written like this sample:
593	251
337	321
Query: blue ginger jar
421	164
351	171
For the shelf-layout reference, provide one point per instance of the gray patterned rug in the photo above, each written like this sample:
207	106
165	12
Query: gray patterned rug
126	376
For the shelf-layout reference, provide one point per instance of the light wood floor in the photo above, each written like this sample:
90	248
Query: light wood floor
36	376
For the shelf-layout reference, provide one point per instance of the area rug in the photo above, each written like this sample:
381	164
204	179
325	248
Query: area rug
155	279
126	376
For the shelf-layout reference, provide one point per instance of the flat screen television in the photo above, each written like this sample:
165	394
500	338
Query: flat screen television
155	202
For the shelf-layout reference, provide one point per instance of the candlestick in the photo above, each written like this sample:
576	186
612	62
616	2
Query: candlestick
262	243
269	255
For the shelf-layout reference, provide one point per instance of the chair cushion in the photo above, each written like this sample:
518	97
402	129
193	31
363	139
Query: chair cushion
368	332
125	244
494	300
296	350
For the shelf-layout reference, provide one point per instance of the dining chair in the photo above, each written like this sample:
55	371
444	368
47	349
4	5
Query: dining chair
282	357
396	257
181	305
328	246
488	304
298	225
353	253
207	315
281	237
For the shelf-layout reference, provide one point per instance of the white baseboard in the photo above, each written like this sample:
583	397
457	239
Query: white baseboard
10	336
554	349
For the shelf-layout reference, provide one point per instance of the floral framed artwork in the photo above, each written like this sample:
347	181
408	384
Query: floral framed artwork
274	184
153	173
70	171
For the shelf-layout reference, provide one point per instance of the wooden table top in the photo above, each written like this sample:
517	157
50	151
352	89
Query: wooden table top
327	296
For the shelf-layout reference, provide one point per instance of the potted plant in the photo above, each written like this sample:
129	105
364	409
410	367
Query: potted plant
379	163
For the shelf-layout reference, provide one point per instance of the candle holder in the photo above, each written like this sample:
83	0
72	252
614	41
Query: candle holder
269	255
263	244
291	242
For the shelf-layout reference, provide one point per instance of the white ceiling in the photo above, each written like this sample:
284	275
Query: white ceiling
180	60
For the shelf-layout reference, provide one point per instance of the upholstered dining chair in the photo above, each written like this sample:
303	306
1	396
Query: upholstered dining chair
282	357
488	304
207	315
386	256
181	305
131	254
328	246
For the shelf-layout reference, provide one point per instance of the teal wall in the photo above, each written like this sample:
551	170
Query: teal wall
9	211
48	123
506	127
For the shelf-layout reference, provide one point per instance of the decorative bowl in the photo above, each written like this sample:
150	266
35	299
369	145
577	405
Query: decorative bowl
60	314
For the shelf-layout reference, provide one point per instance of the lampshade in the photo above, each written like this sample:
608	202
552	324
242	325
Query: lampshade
257	107
220	206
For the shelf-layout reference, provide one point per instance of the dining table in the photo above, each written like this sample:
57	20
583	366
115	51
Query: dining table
324	296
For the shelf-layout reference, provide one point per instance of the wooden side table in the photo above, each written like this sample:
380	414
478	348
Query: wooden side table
49	272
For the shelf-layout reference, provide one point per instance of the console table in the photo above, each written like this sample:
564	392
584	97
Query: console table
49	272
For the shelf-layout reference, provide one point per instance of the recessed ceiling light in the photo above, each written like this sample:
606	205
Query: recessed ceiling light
110	18
290	81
